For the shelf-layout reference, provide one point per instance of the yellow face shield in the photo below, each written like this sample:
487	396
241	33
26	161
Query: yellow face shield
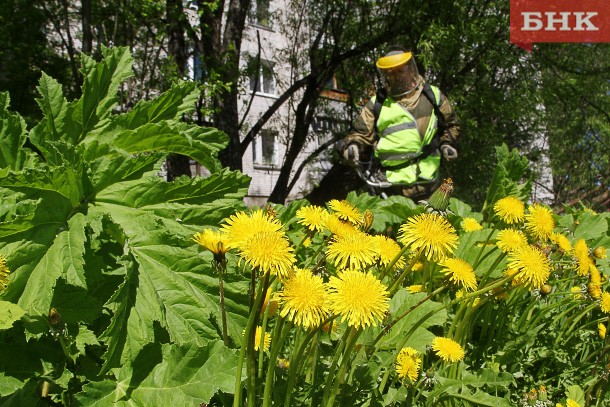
398	72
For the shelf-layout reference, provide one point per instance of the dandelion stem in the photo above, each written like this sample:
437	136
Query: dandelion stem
349	346
333	365
220	267
297	357
275	350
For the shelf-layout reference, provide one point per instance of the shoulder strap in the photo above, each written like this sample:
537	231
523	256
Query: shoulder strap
429	93
379	99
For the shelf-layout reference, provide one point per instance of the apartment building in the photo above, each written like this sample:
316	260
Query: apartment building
265	43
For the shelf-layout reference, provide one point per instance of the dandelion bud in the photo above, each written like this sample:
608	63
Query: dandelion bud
546	289
54	317
439	200
4	272
283	363
542	394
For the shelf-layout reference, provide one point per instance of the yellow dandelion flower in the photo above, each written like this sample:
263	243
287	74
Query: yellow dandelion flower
510	239
304	299
562	242
581	252
430	234
408	364
4	272
460	273
283	363
387	249
533	266
605	303
601	329
448	349
416	288
270	252
240	227
312	217
354	251
345	211
471	225
576	292
212	240
360	298
338	227
600	252
595	290
595	276
510	209
572	403
539	222
266	339
417	266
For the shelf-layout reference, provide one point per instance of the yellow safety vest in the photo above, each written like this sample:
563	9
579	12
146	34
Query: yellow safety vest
399	141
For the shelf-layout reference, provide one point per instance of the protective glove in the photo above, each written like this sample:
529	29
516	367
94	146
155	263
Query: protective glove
449	153
352	153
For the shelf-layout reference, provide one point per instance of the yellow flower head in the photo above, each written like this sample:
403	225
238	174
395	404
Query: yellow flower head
510	209
387	249
510	239
304	299
354	251
417	288
595	290
572	403
605	303
430	234
4	272
408	364
471	225
212	240
270	252
240	227
581	252
312	217
562	242
576	292
460	273
600	252
360	298
345	211
447	349
532	265
266	339
601	329
539	222
283	363
338	227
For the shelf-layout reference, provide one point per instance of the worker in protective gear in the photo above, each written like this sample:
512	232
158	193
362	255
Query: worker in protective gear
408	130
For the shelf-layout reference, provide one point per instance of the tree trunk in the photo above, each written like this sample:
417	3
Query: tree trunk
177	165
85	12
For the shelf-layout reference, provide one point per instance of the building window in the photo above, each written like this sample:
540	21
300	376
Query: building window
259	13
264	148
262	80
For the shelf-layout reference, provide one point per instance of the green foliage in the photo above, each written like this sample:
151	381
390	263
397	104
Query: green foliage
510	177
98	246
109	300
